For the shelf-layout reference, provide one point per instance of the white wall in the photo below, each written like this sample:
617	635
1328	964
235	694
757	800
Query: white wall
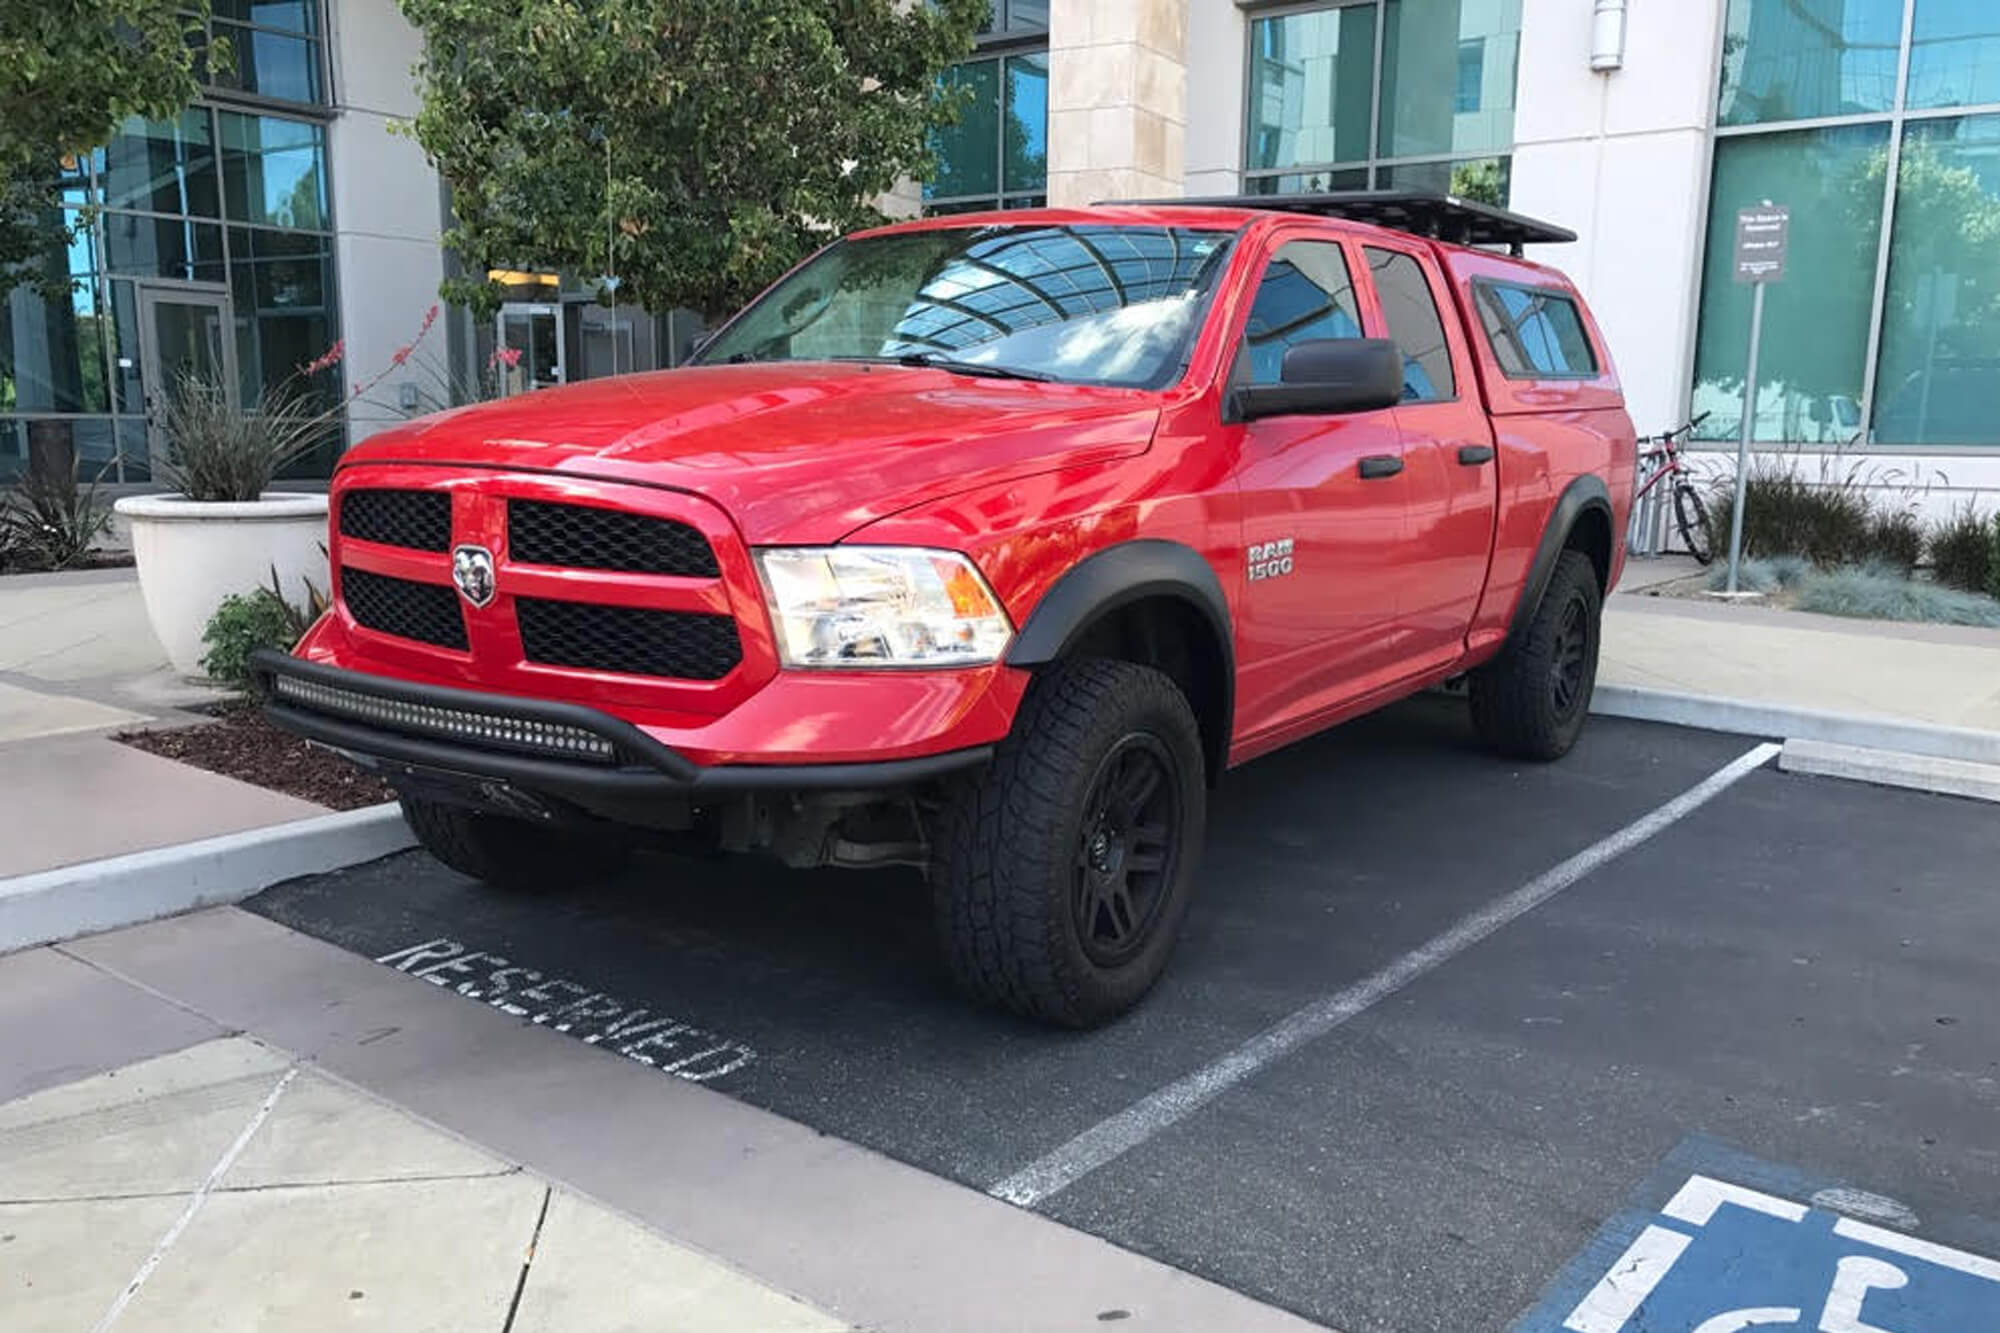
385	206
1622	159
1215	49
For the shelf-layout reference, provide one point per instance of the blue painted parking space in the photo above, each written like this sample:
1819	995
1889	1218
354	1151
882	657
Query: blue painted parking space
1722	1256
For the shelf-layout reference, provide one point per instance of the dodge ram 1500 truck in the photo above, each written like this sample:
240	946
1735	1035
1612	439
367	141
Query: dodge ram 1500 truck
986	543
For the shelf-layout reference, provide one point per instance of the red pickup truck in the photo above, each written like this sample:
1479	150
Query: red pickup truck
987	543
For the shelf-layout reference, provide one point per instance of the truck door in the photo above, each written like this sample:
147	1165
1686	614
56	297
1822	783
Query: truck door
1323	501
1451	477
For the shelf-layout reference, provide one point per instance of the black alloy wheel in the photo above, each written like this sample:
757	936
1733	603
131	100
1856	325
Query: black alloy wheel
1128	846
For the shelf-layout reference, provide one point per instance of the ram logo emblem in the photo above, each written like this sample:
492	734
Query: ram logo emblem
472	571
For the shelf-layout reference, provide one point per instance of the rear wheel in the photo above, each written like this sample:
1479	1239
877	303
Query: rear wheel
1530	702
510	853
1062	872
1692	516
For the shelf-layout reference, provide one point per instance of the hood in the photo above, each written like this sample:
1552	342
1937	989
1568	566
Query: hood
795	452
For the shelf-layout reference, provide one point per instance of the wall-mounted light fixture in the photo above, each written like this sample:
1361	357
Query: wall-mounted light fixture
1607	35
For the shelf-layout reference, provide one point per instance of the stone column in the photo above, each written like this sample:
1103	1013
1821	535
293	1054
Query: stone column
1117	99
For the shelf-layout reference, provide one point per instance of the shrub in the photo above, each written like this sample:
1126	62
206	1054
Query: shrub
1784	514
1780	571
1993	561
1896	538
217	452
1961	550
245	622
50	522
1880	593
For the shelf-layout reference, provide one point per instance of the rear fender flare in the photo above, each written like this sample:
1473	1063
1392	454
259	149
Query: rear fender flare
1580	496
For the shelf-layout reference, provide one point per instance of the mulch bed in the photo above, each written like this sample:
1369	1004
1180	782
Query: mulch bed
241	744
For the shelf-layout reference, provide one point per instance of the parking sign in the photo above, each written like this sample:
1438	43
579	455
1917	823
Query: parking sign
1763	236
1722	1258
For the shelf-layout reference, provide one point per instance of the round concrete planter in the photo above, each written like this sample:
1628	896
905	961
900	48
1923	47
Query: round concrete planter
193	553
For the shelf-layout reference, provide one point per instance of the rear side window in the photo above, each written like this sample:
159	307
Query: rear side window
1306	293
1412	313
1535	334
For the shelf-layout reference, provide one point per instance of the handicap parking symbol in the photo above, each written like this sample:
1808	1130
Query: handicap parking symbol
1723	1258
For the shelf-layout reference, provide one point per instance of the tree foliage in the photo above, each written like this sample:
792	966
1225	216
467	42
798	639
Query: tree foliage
71	71
693	148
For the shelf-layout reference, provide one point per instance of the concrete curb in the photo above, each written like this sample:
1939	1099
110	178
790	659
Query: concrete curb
1778	721
119	891
1889	768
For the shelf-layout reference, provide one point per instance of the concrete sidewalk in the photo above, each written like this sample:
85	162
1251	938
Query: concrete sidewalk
78	663
226	1186
1933	675
214	1122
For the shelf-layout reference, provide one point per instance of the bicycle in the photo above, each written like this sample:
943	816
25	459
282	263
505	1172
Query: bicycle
1690	513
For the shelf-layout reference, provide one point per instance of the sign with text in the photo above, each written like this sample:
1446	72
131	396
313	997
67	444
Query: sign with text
1762	237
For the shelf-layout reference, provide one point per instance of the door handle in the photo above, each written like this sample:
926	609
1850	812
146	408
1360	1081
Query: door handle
1472	455
1377	466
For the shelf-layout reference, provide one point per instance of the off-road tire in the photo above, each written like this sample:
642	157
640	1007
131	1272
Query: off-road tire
509	853
1014	849
1520	705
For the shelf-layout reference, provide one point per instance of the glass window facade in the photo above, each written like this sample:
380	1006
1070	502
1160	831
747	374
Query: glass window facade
225	204
1403	94
1865	343
997	156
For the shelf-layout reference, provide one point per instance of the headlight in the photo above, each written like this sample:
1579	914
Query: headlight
881	606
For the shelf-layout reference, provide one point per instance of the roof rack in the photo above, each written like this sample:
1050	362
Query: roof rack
1441	217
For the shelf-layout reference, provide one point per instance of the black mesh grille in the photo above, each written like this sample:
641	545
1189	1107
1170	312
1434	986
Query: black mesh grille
426	612
686	645
419	520
585	537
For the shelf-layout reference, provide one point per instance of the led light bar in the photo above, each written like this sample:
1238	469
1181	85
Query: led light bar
555	739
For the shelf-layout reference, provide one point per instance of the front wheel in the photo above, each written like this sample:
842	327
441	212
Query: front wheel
1531	700
1691	514
1062	872
506	852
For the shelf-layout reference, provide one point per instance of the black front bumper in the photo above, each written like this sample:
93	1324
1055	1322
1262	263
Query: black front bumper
562	750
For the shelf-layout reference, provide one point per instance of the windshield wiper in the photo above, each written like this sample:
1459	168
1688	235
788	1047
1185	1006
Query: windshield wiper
978	369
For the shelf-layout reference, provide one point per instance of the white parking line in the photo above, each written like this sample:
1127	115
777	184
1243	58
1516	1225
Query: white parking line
1930	1252
1631	1280
1120	1133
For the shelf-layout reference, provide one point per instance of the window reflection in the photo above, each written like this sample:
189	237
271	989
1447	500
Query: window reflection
1097	304
1787	60
1955	53
271	171
1305	293
1939	377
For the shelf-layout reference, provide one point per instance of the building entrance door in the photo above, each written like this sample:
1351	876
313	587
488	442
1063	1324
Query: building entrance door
184	332
531	347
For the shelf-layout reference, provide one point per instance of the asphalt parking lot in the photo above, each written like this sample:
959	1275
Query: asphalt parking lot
1790	990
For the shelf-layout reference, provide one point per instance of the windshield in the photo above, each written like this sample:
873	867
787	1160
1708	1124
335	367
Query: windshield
1084	304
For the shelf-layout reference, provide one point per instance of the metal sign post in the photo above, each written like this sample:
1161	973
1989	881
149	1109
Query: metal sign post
1763	235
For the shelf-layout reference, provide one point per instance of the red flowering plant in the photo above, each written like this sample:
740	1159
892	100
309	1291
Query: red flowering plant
218	451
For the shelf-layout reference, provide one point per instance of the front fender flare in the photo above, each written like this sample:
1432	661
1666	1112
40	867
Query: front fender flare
1118	576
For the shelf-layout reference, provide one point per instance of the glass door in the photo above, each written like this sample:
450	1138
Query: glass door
184	333
531	347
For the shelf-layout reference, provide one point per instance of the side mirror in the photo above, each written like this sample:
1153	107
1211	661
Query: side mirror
1324	376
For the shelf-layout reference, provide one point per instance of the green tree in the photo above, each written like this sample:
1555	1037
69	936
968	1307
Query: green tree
694	148
71	71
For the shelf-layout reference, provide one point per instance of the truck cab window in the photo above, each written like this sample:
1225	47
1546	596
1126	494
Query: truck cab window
1413	319
1306	293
